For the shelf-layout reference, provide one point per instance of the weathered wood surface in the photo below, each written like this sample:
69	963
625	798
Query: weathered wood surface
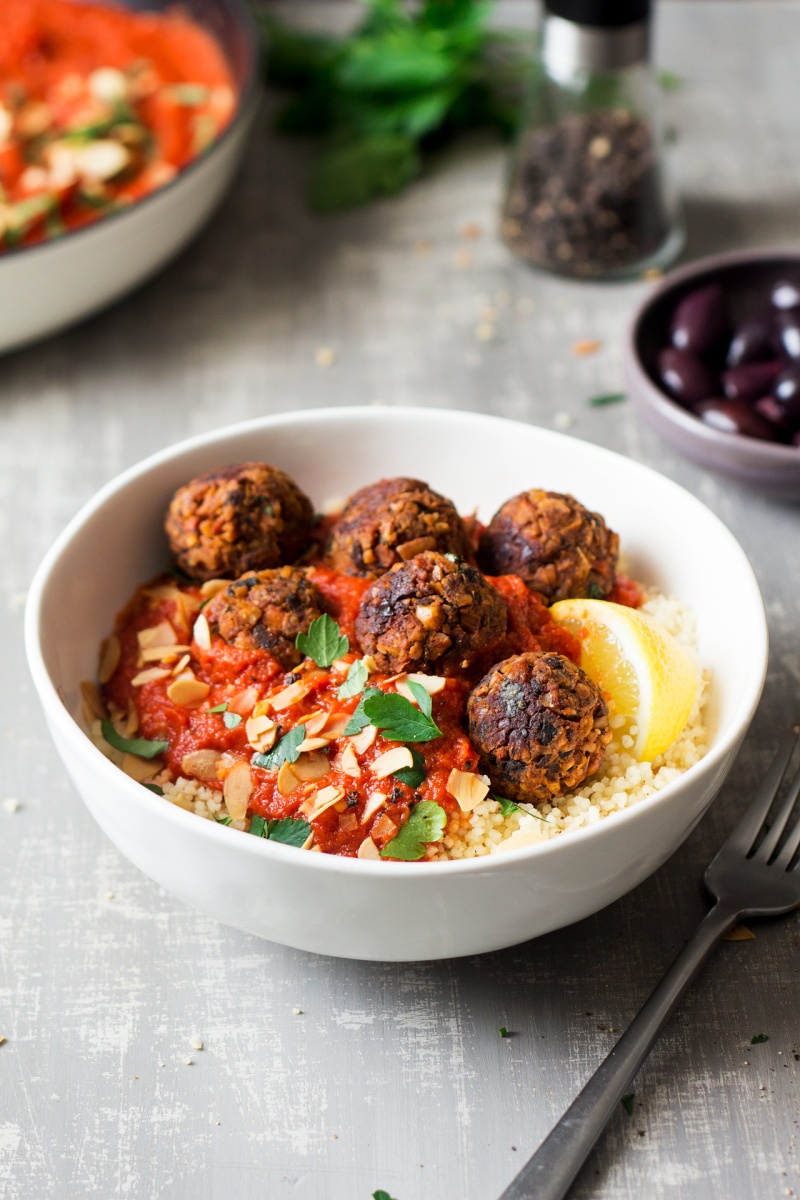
393	1076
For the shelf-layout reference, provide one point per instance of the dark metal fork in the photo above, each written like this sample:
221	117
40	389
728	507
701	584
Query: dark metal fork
753	875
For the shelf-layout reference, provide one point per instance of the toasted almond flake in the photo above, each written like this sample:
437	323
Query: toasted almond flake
348	762
2	1041
162	653
236	789
101	159
246	703
424	614
374	802
187	691
415	546
314	723
325	356
308	844
467	788
321	800
163	591
260	731
311	767
362	740
370	664
157	635
739	933
107	83
585	346
93	707
201	764
149	675
288	780
313	743
335	726
181	664
290	695
202	633
131	718
140	769
368	849
110	654
390	761
347	822
341	665
212	588
433	684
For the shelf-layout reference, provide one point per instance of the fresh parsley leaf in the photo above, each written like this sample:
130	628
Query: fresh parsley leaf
224	820
669	81
606	398
381	1195
287	750
357	676
153	787
220	708
398	719
140	746
412	776
324	642
507	807
422	697
359	719
425	824
595	592
353	172
232	720
627	1102
258	826
290	831
503	1031
758	1039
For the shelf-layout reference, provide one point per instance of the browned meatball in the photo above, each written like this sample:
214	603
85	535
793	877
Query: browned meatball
266	610
391	521
242	518
540	725
553	543
432	613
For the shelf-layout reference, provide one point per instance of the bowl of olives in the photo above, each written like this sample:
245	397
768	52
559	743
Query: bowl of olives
713	364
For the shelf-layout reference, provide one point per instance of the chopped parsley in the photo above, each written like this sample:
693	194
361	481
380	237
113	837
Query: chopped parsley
595	592
398	719
503	1031
357	676
324	642
758	1039
287	750
627	1102
232	720
359	719
414	776
290	831
381	1195
153	787
139	746
425	824
223	820
507	807
220	708
606	398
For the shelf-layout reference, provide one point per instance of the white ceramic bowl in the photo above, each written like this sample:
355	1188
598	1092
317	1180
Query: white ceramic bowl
392	910
49	286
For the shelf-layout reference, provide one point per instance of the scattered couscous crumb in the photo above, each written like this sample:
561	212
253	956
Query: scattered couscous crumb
12	805
422	247
585	346
325	356
485	331
196	1043
109	895
470	231
297	1012
462	260
563	420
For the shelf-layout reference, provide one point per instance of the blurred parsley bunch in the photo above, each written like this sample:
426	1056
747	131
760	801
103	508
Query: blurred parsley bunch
403	82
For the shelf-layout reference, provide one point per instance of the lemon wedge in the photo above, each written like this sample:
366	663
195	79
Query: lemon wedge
642	670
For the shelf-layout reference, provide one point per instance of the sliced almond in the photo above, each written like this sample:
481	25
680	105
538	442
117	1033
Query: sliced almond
290	695
202	633
187	691
244	703
131	718
416	546
370	664
467	788
313	743
201	764
162	653
308	844
341	665
374	802
93	707
335	725
236	789
363	740
110	654
391	761
425	614
348	762
368	849
140	769
181	664
157	635
101	159
288	780
149	675
314	723
108	83
311	767
212	588
261	732
431	683
321	800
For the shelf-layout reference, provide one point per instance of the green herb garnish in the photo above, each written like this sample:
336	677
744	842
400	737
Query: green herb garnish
140	746
153	787
507	807
398	719
287	750
669	81
425	824
414	776
224	820
357	676
758	1039
324	642
503	1031
627	1102
606	398
595	592
359	719
231	720
290	831
190	94
220	708
381	1195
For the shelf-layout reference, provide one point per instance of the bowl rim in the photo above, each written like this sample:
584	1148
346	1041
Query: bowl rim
69	728
245	103
648	392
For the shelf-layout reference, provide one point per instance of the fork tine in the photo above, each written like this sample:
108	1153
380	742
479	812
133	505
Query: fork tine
793	841
745	833
770	842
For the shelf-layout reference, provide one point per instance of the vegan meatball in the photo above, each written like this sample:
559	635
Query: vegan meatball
540	725
433	613
553	543
391	521
266	610
248	517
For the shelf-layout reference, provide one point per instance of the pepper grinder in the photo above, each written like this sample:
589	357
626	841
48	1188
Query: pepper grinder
588	194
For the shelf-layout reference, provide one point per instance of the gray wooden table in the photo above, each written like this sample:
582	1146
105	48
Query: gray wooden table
392	1076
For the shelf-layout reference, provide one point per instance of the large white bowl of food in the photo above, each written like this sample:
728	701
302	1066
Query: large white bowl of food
121	124
396	683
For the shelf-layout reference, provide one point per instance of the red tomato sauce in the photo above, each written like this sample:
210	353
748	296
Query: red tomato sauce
99	106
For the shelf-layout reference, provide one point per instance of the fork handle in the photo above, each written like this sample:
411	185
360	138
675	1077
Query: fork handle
551	1170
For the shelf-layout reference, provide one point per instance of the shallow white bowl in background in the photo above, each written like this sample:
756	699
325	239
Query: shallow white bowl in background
46	287
391	910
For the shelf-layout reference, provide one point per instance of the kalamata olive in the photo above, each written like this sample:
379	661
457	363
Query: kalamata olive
734	416
699	321
751	341
789	333
685	377
785	295
750	381
772	410
782	408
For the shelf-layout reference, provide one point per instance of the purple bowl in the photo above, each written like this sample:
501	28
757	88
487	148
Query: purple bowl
747	277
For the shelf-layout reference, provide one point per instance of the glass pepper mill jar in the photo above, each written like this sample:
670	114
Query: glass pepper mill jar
588	195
